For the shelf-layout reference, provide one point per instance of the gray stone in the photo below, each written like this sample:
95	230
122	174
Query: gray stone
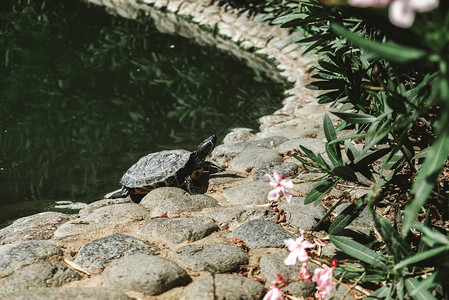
301	215
43	274
102	203
156	196
255	157
287	170
178	230
239	214
262	234
151	275
102	218
273	264
17	255
213	258
177	205
36	227
98	253
248	193
268	142
315	145
238	135
224	287
64	293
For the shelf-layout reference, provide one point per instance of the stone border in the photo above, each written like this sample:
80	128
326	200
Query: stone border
263	47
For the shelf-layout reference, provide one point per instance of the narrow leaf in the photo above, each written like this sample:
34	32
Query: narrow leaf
319	191
380	293
421	257
355	118
346	217
344	172
417	293
358	251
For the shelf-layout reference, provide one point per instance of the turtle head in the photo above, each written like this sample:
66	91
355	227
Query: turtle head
205	148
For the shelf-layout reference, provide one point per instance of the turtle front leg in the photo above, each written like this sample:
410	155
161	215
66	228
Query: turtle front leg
191	187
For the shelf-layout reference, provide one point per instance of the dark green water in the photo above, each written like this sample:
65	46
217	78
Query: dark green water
84	94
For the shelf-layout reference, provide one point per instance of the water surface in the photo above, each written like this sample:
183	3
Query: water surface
84	94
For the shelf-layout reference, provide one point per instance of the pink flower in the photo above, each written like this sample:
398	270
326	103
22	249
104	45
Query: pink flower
369	3
274	293
402	12
304	273
323	280
281	186
297	250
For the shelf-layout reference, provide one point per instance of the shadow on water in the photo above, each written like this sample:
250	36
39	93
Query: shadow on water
84	94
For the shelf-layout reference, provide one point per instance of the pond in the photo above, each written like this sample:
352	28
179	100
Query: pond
84	94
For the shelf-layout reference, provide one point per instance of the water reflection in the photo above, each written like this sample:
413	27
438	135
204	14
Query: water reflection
84	94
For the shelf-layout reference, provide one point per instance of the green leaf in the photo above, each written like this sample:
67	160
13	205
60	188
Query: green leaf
421	257
329	66
334	155
394	239
346	217
344	172
358	251
417	293
431	234
380	293
389	50
426	178
355	118
288	18
319	191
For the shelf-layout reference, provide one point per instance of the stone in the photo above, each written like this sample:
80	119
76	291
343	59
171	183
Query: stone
178	230
177	205
98	253
148	274
248	193
238	135
103	217
300	215
273	264
237	213
156	196
62	293
102	203
288	170
35	227
42	274
212	258
262	234
254	157
224	287
314	145
17	255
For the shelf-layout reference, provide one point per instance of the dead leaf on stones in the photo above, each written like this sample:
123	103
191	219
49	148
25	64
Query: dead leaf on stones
249	169
313	135
79	222
239	243
280	217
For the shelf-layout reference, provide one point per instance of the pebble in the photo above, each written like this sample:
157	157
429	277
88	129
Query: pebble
36	227
17	255
301	215
248	193
224	287
288	170
42	274
273	264
183	204
156	196
148	274
262	234
212	258
98	253
102	203
254	157
103	217
314	145
63	293
178	230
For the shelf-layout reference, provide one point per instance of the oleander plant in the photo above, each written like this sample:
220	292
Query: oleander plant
383	68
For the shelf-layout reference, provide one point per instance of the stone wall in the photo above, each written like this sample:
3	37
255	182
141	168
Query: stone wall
261	46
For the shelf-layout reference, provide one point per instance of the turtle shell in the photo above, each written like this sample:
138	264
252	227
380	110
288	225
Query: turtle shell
155	167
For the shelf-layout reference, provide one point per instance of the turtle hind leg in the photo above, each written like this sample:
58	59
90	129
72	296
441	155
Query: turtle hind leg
121	193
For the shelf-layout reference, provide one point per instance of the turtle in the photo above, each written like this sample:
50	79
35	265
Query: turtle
179	168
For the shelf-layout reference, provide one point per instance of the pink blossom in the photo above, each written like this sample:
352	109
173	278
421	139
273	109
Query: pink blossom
323	280
402	12
304	273
297	250
281	186
274	293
